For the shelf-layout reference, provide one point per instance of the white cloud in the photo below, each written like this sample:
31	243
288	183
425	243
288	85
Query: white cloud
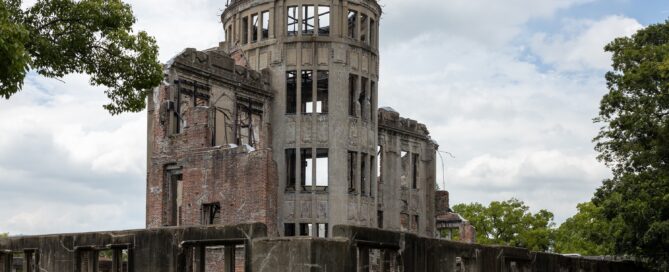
580	44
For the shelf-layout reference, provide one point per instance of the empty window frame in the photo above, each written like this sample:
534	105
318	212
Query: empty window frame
255	19
323	20
265	25
322	230
372	173
292	23
306	168
322	167
174	188
364	28
352	89
372	97
322	87
289	229
415	225
379	219
352	167
305	229
291	92
211	214
372	34
245	30
414	171
320	161
307	83
352	24
379	163
248	123
362	98
308	19
363	174
406	168
291	160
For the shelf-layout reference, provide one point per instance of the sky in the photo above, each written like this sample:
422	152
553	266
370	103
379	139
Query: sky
508	88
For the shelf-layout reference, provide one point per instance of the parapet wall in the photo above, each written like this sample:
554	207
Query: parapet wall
351	249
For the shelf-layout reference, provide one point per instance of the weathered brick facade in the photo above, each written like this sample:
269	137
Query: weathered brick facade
196	175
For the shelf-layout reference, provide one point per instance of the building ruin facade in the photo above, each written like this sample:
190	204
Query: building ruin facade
288	104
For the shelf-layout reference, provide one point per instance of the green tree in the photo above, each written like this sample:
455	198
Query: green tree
4	235
509	223
634	143
59	37
587	233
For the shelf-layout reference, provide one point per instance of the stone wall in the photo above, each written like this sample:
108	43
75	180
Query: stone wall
351	249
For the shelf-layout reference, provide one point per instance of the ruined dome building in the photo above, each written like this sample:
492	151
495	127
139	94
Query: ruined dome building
280	124
270	153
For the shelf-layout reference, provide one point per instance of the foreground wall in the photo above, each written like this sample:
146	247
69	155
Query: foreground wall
350	249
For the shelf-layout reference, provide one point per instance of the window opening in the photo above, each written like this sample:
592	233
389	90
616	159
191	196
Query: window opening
306	175
305	229
174	183
322	162
372	173
322	230
290	168
289	229
363	173
322	91
292	26
372	96
352	24
415	223
414	170
247	126
308	19
352	86
406	166
245	30
265	25
323	20
362	99
364	28
211	213
291	92
372	29
352	163
379	163
307	91
255	19
379	219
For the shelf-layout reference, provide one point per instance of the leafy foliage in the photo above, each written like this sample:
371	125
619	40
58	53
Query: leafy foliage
509	223
59	37
634	142
587	233
4	235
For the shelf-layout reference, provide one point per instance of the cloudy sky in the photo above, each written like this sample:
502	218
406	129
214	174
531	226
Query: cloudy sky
509	87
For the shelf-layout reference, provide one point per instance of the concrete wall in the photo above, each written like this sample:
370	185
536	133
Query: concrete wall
351	249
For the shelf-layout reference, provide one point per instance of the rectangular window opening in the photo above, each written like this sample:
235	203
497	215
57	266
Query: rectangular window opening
372	97
291	160
352	89
305	229
414	170
211	214
406	167
308	19
256	25
292	25
352	24
372	29
352	166
379	163
174	187
364	28
322	87
289	229
322	230
265	25
379	219
362	99
322	170
307	91
323	20
363	173
245	30
372	172
307	166
291	92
